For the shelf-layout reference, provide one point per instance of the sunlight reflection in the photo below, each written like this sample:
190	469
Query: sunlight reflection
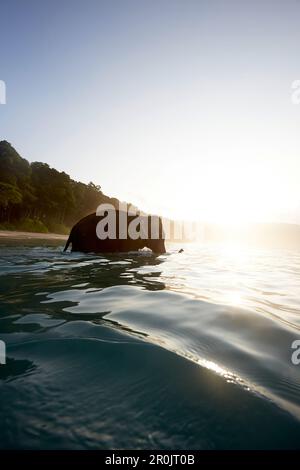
228	376
235	251
234	298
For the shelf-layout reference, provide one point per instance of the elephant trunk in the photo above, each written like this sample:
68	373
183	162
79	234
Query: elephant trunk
157	246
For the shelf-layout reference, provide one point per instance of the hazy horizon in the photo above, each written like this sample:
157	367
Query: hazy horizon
182	108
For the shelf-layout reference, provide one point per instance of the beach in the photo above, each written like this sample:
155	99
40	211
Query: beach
15	235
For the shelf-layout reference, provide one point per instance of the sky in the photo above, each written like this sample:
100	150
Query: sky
183	108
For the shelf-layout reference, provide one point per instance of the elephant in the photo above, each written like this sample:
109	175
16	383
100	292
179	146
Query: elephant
127	233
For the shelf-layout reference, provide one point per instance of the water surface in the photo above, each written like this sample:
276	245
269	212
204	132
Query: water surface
180	351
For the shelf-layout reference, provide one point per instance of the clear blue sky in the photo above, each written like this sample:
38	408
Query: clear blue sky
165	103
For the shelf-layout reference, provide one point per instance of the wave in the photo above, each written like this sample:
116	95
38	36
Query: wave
208	331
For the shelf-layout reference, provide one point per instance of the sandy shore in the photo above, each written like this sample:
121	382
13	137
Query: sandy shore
31	235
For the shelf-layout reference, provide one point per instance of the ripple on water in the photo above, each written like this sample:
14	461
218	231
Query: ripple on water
183	346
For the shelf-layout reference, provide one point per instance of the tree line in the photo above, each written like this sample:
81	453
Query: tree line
36	197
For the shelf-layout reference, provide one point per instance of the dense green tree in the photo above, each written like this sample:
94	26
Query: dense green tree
37	192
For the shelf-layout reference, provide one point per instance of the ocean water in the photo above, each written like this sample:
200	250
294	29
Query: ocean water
180	351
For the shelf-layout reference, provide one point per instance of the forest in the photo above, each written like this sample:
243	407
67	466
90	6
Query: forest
37	198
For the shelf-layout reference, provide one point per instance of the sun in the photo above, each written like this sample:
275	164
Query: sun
231	195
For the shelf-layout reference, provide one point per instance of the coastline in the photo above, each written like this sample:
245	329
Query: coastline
14	234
